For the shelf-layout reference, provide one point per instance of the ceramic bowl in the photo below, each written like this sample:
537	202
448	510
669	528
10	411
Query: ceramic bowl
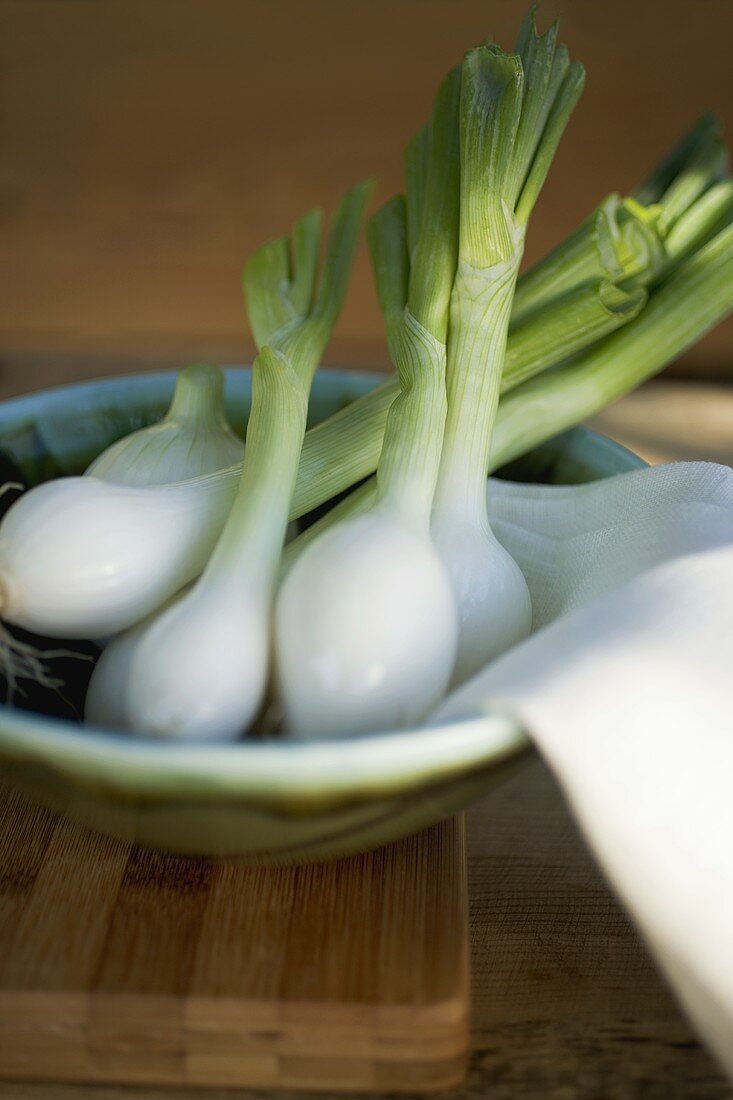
267	800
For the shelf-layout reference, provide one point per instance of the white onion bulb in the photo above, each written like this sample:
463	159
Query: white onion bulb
365	629
193	438
82	558
494	605
219	693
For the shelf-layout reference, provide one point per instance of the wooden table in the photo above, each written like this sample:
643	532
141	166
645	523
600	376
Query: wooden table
566	1002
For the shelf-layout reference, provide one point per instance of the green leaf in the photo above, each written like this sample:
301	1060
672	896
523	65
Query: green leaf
662	176
700	222
340	254
387	239
416	176
558	118
541	85
306	238
490	107
706	165
436	251
266	281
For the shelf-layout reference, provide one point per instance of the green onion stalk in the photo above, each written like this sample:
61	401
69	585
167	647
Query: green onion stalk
513	112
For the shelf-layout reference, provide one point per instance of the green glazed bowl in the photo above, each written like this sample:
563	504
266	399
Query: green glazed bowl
258	800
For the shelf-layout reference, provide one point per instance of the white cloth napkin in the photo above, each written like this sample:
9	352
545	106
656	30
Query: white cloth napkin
626	688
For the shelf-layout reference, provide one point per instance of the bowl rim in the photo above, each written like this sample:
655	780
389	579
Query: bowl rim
357	765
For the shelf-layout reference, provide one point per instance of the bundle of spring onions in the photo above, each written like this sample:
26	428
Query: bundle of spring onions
174	548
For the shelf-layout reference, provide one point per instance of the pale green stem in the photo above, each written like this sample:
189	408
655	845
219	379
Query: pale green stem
413	245
259	515
617	242
567	326
417	156
199	395
700	222
293	322
342	449
410	457
479	322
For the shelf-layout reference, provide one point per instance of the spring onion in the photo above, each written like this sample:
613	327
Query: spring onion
80	557
133	547
514	109
366	625
200	668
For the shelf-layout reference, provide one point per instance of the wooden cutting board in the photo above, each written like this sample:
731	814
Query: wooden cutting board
121	965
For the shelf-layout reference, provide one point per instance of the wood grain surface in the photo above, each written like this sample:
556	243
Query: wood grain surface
127	966
566	1003
149	147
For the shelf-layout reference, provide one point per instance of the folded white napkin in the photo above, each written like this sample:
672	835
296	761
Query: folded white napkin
626	688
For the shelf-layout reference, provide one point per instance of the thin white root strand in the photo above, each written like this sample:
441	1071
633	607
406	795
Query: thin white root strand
23	661
9	485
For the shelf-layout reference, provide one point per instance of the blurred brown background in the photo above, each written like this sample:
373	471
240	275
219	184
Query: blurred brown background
149	145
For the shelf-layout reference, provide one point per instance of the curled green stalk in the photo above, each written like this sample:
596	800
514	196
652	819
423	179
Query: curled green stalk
691	191
634	241
619	243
